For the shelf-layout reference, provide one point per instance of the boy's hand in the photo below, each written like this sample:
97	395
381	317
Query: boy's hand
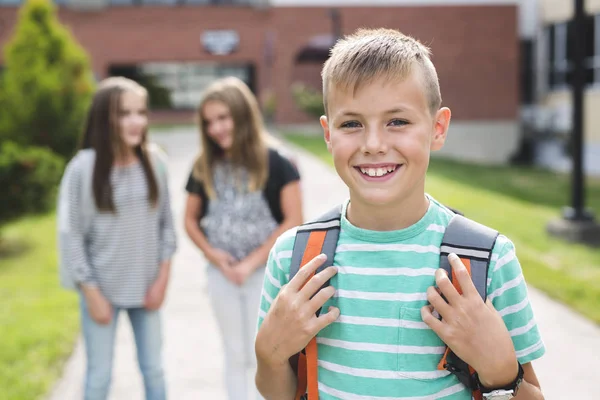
291	321
472	329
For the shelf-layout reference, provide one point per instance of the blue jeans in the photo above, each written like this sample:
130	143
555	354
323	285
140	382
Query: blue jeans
100	343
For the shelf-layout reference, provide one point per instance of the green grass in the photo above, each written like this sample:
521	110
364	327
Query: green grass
519	202
167	127
38	320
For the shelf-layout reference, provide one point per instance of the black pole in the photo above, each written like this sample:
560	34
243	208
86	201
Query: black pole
577	212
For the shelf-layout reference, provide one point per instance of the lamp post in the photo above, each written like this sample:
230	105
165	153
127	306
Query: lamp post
577	223
577	210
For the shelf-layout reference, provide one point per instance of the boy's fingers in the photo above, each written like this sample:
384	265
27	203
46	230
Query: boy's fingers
320	298
326	319
446	287
462	275
438	303
316	282
431	320
306	272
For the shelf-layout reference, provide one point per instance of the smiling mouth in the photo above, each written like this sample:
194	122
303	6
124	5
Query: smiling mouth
378	171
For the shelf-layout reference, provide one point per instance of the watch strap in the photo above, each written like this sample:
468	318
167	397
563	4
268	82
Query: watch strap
514	385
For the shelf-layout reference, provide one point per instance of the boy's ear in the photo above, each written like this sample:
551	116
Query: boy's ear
440	128
326	131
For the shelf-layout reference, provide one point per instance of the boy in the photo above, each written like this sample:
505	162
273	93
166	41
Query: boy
379	336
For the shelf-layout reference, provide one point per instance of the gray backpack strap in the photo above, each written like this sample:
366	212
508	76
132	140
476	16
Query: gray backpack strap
469	239
473	241
328	222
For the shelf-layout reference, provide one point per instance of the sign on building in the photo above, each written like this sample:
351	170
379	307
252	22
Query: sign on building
220	42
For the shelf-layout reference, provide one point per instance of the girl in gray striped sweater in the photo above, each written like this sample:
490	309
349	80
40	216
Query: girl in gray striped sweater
116	234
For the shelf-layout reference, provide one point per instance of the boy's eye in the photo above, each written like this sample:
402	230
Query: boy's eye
398	122
350	124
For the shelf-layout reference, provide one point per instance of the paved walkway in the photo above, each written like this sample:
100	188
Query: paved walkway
193	356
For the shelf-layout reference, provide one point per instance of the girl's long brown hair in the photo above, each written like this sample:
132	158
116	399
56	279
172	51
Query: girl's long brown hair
102	134
249	147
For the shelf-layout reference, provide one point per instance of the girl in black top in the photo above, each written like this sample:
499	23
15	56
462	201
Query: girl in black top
243	194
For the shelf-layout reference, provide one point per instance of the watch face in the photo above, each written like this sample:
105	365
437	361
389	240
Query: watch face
499	395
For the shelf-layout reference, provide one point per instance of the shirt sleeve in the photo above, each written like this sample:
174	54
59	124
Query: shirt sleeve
194	186
168	237
289	171
507	291
277	272
72	235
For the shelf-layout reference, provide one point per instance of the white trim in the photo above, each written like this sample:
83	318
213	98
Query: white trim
320	225
464	252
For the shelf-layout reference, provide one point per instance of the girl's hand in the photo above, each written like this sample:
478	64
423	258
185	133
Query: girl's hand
224	261
155	295
98	306
243	270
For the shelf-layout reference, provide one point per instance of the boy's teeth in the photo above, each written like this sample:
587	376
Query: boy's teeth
377	171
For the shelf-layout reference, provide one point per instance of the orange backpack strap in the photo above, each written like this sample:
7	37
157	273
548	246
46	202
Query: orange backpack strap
473	243
313	238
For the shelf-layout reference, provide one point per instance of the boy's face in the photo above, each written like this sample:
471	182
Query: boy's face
381	138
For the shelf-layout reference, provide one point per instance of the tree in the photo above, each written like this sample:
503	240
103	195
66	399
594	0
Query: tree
47	84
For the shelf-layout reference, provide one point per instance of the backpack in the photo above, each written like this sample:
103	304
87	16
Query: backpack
471	241
84	161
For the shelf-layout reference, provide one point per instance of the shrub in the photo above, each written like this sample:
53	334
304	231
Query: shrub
47	83
29	179
308	100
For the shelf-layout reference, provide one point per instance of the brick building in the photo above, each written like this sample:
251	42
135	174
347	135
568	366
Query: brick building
184	44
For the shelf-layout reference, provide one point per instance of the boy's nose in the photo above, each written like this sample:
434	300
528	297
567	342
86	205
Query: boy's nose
374	142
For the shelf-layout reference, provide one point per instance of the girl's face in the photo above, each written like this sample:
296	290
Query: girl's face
133	119
218	123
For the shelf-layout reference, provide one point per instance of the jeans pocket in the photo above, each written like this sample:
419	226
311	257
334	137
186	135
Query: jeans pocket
420	348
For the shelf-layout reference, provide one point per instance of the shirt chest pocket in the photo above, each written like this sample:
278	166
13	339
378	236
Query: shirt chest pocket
419	347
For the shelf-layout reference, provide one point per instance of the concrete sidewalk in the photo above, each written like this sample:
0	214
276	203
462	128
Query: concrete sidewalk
193	355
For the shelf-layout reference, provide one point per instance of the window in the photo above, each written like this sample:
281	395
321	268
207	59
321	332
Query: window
557	50
560	38
179	86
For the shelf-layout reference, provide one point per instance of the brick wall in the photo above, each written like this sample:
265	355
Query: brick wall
475	48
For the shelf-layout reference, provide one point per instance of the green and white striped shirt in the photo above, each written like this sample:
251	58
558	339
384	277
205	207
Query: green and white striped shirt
380	348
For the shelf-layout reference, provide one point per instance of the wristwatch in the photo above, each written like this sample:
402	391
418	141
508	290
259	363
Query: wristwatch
499	395
504	393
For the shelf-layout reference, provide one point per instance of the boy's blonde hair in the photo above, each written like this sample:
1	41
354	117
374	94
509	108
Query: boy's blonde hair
379	53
